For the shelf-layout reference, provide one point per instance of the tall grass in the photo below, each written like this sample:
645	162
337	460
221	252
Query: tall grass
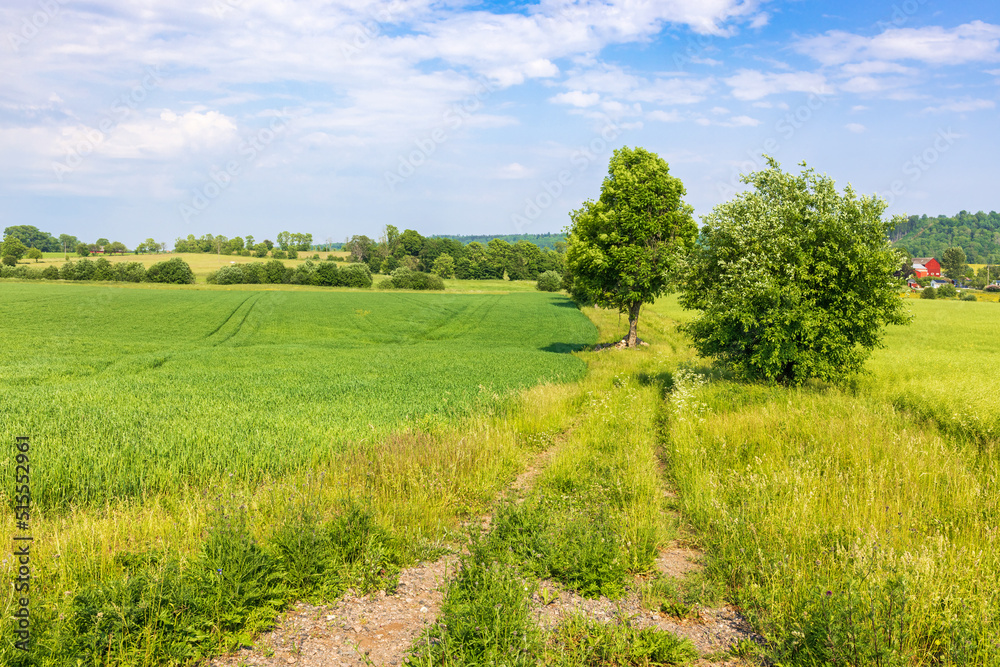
854	527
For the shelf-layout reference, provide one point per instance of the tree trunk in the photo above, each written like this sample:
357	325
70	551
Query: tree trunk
633	323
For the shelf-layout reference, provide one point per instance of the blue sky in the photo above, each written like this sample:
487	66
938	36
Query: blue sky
235	117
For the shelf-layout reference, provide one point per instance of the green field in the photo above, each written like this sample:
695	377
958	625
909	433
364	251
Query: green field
851	525
129	391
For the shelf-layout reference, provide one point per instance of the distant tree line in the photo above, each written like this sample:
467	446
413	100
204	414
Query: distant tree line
450	258
555	241
978	234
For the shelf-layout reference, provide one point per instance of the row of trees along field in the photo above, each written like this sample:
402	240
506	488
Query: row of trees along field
978	234
450	258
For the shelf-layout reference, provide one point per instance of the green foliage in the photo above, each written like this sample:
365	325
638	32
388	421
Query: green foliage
82	249
929	293
947	291
12	247
35	254
978	234
953	263
580	641
404	278
623	247
32	237
10	260
175	271
322	560
547	240
444	266
550	281
572	545
792	280
486	617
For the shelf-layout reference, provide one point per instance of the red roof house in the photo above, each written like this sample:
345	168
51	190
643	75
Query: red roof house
926	266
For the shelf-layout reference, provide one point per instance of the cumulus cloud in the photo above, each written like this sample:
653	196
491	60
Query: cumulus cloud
576	98
751	85
976	41
856	128
962	106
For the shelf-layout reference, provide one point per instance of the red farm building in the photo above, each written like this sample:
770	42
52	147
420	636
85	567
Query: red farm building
926	266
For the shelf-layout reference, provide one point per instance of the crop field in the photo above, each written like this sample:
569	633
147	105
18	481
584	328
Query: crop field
131	391
941	367
851	525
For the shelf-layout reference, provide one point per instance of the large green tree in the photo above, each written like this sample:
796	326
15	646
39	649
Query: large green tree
793	280
624	247
13	247
953	263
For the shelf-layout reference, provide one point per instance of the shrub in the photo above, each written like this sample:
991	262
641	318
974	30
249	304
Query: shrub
357	275
327	274
275	272
50	273
9	260
174	271
405	278
129	272
967	296
303	273
550	281
293	254
928	293
228	275
992	288
253	273
279	254
947	291
103	270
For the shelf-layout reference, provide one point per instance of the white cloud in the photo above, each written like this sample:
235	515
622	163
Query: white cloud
680	90
742	121
749	84
971	42
857	128
576	98
665	116
514	170
962	106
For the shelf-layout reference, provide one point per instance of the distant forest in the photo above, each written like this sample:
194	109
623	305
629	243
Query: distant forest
540	240
978	234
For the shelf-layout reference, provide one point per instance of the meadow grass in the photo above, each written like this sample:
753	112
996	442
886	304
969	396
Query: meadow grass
854	526
940	368
594	519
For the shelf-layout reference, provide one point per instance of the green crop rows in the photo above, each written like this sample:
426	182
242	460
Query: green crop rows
130	391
